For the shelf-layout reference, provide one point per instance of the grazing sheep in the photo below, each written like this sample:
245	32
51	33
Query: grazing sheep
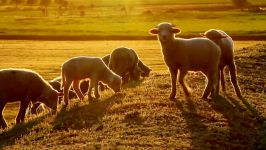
79	68
145	70
38	107
227	56
124	62
196	54
25	86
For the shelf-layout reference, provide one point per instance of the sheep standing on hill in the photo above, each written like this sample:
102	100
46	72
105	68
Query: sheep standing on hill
183	55
79	68
227	56
25	86
145	70
124	62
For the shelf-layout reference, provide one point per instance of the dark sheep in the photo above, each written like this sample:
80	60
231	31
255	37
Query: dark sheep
25	86
124	62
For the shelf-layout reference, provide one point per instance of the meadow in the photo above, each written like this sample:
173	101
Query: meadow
127	19
141	116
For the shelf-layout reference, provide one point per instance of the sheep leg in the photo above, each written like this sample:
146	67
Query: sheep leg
90	90
222	79
77	89
2	119
66	90
96	91
34	108
182	74
102	87
22	111
173	73
232	69
209	86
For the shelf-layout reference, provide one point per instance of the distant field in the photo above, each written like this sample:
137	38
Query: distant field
141	116
130	19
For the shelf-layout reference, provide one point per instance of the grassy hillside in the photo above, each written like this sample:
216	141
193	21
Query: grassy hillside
141	116
130	18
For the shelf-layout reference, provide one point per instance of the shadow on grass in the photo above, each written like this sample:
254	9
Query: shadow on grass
85	116
133	84
11	135
241	130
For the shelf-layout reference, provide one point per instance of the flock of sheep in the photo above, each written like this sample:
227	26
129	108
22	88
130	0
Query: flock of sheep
208	54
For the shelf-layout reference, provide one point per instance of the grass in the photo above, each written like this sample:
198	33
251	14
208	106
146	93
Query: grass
141	116
135	20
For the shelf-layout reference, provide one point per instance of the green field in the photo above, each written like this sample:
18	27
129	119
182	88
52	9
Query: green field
131	18
141	116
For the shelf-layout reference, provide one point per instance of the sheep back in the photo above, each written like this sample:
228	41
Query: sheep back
123	60
197	54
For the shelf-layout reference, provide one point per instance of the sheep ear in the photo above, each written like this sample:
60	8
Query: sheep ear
223	36
176	30
154	31
60	94
202	34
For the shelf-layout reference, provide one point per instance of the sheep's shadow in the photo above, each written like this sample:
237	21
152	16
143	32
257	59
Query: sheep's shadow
17	131
84	116
245	123
243	131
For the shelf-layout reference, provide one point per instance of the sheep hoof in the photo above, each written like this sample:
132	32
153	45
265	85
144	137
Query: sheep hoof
204	97
97	96
172	97
3	125
240	96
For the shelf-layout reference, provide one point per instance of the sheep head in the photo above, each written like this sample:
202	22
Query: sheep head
165	31
213	34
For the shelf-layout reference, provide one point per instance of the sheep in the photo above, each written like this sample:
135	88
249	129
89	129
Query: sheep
38	107
227	57
25	86
145	70
82	67
183	55
124	62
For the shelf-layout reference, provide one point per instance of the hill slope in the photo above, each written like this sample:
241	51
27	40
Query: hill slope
142	116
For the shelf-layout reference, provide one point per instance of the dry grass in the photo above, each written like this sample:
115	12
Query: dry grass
142	116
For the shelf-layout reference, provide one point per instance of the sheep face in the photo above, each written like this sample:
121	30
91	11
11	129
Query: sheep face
136	74
51	99
165	32
115	83
146	72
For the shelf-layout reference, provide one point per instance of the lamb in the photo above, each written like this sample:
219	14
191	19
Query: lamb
183	55
124	62
79	68
25	86
227	57
37	106
145	70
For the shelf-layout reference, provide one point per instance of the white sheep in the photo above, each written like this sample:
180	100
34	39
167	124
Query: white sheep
227	57
196	54
79	68
25	86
